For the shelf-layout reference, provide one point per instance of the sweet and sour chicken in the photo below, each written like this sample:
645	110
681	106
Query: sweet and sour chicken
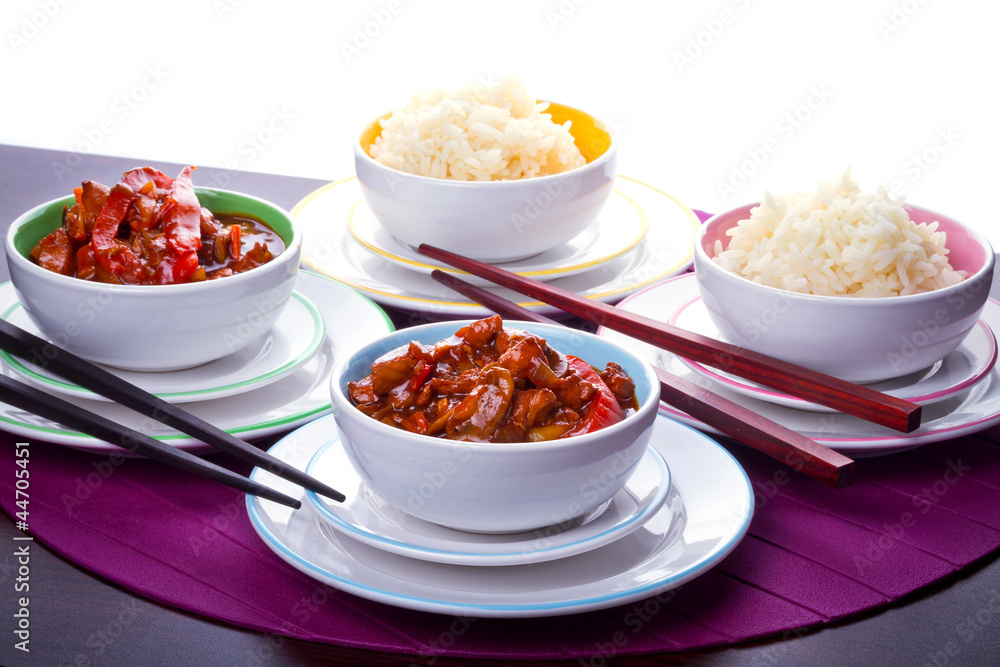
488	383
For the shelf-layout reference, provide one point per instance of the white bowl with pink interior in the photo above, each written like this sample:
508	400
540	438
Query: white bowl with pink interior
855	338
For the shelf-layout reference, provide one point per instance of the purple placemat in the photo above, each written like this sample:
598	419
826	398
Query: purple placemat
812	555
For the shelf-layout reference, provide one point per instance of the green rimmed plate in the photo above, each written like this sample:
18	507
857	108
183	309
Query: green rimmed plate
296	399
293	340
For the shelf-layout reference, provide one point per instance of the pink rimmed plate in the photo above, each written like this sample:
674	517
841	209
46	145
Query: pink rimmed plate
965	367
975	409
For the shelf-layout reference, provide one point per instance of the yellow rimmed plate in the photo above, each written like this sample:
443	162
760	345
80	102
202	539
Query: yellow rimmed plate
620	227
330	248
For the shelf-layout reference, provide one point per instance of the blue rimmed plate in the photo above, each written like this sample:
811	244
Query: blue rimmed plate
710	504
369	519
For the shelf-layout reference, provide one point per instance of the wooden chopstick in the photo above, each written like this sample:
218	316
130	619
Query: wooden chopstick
55	409
46	355
733	419
810	385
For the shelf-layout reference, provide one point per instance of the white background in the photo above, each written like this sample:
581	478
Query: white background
713	101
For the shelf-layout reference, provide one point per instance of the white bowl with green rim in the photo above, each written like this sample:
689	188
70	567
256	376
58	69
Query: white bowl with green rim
154	327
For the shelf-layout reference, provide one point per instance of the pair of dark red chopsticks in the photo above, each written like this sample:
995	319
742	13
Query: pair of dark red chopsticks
728	417
31	348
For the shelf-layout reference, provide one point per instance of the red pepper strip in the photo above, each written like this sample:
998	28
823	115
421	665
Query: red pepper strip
420	421
418	379
181	218
114	257
176	269
181	215
235	241
603	409
136	178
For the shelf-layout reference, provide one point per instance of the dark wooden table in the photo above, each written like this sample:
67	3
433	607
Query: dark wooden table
80	619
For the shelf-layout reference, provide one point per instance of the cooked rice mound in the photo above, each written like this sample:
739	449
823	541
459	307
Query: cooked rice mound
838	242
476	133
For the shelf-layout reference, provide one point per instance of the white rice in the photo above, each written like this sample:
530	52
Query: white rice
840	242
476	133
